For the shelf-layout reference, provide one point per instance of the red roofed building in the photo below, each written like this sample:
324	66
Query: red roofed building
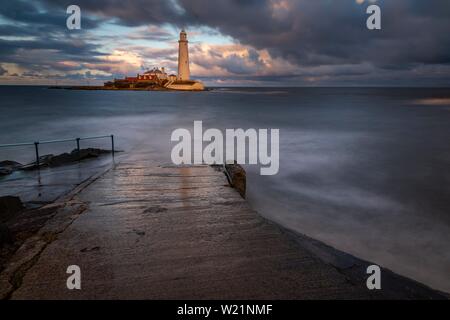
148	78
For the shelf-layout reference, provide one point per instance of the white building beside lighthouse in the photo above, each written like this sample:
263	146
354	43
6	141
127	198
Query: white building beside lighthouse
183	80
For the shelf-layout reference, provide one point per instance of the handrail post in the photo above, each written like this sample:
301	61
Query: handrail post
36	147
112	145
78	148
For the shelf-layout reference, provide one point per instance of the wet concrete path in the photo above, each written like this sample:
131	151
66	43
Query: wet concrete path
148	232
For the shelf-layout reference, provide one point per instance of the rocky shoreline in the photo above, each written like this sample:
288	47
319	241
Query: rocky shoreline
104	88
108	88
20	221
7	167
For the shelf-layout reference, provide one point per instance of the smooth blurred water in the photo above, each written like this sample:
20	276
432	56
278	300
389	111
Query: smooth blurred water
364	170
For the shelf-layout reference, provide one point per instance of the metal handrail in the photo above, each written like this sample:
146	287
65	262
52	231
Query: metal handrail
77	140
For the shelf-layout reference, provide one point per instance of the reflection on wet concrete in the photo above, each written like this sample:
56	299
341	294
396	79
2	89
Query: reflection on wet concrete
176	233
47	184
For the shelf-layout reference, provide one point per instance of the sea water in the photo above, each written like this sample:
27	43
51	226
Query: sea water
365	170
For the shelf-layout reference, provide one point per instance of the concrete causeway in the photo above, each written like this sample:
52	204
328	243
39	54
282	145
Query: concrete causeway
148	232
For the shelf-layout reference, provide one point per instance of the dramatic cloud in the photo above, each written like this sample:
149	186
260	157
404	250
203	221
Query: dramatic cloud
286	42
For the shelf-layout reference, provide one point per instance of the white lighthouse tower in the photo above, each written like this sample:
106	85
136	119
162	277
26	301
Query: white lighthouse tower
183	80
183	58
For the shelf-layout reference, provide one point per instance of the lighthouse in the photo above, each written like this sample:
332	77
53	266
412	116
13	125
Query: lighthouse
183	80
183	57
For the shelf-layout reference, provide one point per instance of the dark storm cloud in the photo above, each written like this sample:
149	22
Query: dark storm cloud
233	63
32	13
44	54
131	13
67	48
36	39
307	33
334	32
304	31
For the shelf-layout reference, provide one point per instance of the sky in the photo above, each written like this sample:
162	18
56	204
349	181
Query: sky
231	42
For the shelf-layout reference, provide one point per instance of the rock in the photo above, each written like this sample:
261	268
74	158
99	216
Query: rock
89	153
238	178
75	155
51	160
9	207
6	236
5	172
8	166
